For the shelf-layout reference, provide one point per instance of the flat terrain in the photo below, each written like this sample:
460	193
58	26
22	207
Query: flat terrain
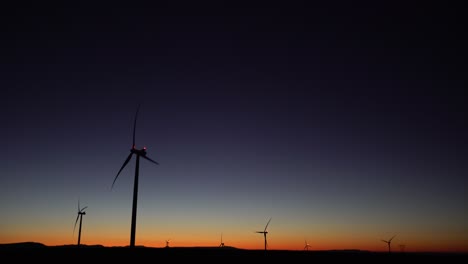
38	252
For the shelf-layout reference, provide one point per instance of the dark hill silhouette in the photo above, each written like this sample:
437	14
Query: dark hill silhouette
38	251
20	245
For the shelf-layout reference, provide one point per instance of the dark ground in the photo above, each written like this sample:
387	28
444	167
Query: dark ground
40	252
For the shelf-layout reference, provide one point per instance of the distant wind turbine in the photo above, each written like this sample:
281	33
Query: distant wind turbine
139	153
222	243
306	247
388	243
167	243
402	248
81	212
265	232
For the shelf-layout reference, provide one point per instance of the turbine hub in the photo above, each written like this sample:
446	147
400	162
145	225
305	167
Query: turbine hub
138	151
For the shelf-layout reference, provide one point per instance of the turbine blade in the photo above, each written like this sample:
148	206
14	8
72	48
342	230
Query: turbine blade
124	164
134	124
76	221
82	209
144	156
390	240
267	225
78	205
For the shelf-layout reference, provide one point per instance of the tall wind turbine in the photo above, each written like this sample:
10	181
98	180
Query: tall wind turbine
139	153
265	232
388	243
81	212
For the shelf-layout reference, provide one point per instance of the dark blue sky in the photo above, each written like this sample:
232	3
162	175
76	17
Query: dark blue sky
356	109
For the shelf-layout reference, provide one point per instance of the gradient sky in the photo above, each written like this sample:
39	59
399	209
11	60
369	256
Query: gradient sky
346	124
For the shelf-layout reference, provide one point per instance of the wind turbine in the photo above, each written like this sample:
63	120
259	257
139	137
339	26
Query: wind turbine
265	232
139	153
222	243
81	212
167	243
306	247
402	248
388	242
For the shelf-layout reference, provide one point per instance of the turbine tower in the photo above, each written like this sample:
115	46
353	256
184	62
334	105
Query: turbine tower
81	212
139	153
388	243
265	232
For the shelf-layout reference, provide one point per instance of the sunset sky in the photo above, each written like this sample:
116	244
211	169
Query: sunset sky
344	124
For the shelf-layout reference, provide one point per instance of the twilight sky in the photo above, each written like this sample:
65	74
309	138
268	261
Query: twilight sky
346	124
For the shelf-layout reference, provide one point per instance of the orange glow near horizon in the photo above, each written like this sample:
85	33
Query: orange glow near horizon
252	243
282	235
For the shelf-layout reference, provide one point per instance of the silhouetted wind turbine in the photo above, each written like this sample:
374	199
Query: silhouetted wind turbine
167	243
222	243
388	242
81	212
265	232
306	247
139	153
402	248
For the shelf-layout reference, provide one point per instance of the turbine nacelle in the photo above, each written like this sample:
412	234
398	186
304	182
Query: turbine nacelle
141	152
